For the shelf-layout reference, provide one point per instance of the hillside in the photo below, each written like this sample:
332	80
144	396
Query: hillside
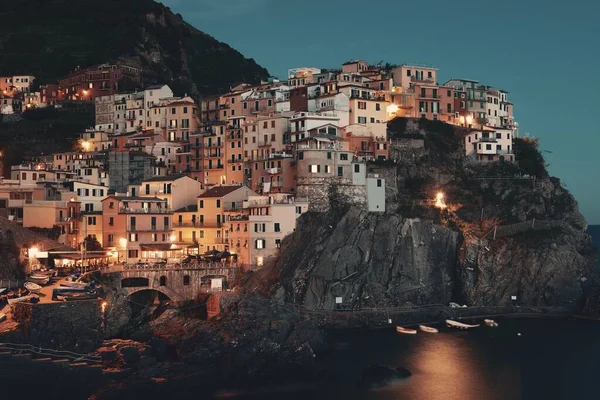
520	234
49	38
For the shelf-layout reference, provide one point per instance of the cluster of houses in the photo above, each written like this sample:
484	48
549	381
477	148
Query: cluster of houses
161	176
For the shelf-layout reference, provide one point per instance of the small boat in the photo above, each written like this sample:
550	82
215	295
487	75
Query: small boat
74	285
3	290
76	296
490	322
428	329
406	331
459	325
39	279
2	317
32	287
18	299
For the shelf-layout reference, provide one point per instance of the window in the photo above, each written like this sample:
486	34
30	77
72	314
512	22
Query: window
260	243
362	120
344	156
498	135
488	146
378	182
329	155
162	281
423	92
245	105
276	227
300	155
166	223
377	107
91	220
155	237
186	280
133	237
132	254
111	221
218	203
356	167
372	120
313	169
362	105
328	169
201	203
340	171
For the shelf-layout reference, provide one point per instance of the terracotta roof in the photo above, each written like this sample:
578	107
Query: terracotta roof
193	208
220	191
166	178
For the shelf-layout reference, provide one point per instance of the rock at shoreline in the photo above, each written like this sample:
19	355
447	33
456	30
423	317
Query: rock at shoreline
376	376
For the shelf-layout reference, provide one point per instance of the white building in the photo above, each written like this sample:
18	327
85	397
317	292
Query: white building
490	145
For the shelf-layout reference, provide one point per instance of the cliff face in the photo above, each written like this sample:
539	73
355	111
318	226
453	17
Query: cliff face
368	260
519	234
49	38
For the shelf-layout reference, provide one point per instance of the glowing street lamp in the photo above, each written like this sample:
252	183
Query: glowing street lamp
439	201
123	243
86	145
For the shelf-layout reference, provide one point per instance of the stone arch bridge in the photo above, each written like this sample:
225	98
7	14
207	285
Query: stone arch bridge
178	282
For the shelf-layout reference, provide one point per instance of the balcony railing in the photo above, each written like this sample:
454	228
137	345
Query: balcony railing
127	210
192	224
230	161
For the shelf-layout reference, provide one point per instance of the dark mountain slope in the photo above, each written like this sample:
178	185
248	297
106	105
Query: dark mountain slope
48	38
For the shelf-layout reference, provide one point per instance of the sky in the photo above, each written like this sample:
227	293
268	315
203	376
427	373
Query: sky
546	54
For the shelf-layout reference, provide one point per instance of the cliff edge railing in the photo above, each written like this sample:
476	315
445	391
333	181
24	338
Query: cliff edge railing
500	231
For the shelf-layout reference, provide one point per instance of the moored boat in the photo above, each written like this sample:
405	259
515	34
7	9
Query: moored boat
490	322
459	325
39	279
2	317
18	299
74	285
32	287
3	290
406	331
428	329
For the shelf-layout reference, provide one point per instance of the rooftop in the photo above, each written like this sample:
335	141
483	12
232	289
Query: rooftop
168	178
193	208
220	191
133	198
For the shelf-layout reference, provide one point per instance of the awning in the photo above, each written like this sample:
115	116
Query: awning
159	247
318	139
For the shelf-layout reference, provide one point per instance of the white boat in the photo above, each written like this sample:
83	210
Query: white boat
428	329
406	331
32	287
490	322
74	285
39	279
459	325
2	290
18	299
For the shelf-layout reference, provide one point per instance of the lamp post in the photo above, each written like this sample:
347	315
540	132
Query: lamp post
123	243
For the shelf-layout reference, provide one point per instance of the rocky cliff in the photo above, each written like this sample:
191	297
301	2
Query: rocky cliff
49	38
483	248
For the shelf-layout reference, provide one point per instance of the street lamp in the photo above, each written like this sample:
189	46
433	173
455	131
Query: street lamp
123	243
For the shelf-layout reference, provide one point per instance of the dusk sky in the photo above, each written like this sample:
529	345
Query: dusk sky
546	54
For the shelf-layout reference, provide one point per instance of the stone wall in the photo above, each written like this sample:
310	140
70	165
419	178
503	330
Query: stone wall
321	193
76	326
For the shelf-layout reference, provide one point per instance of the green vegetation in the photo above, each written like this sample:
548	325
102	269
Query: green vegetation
42	131
529	157
49	38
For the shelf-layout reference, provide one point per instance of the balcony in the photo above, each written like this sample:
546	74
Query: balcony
211	167
262	143
213	155
423	80
134	228
192	224
234	161
274	171
128	210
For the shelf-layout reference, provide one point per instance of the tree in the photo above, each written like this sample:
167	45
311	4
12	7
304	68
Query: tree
90	244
